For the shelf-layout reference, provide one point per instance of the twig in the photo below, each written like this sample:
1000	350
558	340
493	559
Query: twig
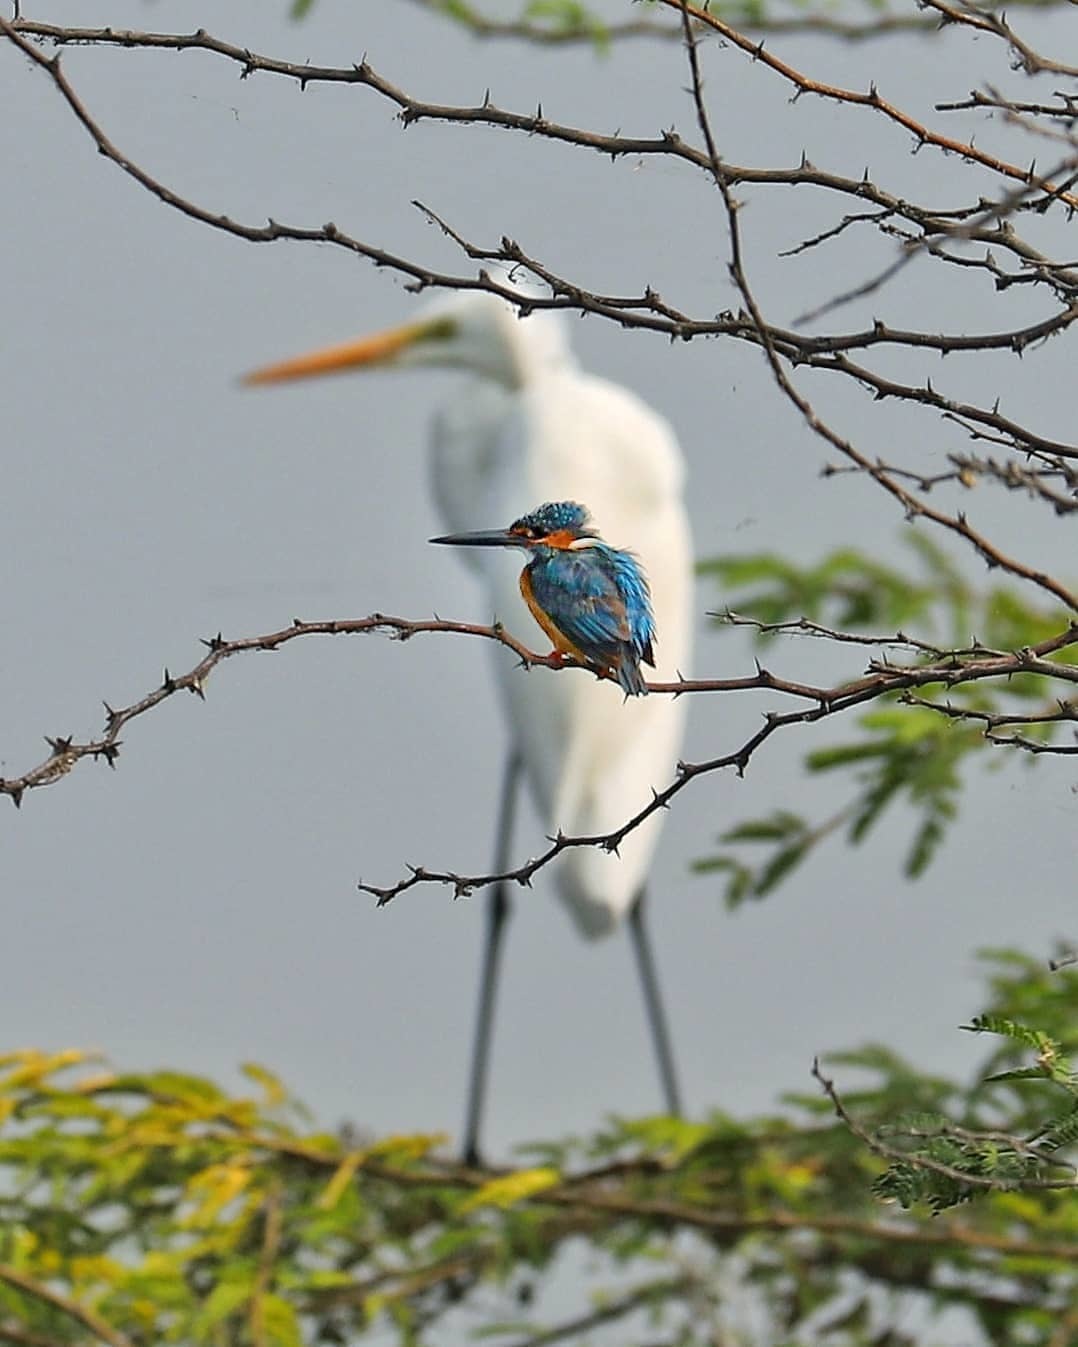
272	1225
949	669
882	678
80	1314
646	311
893	1154
871	99
913	507
802	626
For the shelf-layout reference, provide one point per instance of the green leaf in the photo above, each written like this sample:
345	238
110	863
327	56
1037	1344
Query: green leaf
226	1298
281	1323
777	826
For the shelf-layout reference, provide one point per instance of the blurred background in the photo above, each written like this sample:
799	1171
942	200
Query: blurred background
198	906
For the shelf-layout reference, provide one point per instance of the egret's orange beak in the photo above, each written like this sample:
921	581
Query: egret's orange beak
380	349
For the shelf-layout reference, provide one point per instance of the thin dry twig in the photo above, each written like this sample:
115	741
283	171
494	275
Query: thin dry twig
882	678
913	507
982	222
949	668
648	310
804	84
892	1153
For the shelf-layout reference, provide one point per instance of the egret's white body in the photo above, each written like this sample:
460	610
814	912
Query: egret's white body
533	428
526	426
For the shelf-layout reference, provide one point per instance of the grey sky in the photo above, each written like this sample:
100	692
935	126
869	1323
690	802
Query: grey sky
198	907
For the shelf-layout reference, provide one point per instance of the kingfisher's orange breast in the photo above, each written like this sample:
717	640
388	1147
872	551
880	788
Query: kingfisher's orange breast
560	642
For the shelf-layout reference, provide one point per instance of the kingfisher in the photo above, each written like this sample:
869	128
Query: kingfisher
591	599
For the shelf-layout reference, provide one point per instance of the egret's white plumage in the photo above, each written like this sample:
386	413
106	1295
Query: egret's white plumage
525	426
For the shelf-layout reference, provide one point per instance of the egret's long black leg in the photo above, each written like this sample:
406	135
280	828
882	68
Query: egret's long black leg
649	982
498	910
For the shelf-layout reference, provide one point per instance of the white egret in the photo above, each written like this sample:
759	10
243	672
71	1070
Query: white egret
527	425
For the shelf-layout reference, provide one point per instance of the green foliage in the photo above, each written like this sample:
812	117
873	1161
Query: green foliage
846	589
549	18
905	752
545	21
942	1157
160	1207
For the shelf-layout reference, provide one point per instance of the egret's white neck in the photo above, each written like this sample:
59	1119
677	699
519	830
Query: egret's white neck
533	346
487	336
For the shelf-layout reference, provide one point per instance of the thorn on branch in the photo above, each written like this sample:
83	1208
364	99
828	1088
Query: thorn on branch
110	752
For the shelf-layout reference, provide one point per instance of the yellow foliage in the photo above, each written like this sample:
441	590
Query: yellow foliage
274	1091
346	1172
512	1188
90	1269
34	1065
412	1146
212	1190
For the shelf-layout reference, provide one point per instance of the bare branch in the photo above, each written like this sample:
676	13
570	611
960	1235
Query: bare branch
872	99
883	678
949	668
647	310
66	751
985	21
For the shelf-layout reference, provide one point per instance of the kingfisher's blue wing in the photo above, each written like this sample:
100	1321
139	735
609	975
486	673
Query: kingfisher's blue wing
599	599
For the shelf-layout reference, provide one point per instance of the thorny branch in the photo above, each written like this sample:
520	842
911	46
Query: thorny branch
668	144
1062	711
826	353
913	506
413	110
649	311
949	668
986	21
944	235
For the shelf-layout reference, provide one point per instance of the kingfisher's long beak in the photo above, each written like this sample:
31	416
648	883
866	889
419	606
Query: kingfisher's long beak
365	352
488	538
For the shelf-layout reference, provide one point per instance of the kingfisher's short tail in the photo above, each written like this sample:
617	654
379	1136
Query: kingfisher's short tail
630	679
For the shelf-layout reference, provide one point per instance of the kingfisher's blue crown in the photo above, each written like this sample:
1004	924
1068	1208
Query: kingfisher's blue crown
555	517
